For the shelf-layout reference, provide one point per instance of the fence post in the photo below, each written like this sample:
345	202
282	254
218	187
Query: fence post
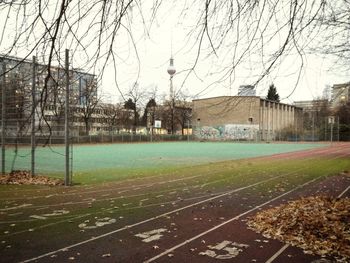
33	117
66	123
325	128
338	130
3	116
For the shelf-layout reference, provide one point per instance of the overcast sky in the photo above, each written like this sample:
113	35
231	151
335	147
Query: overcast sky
168	35
147	61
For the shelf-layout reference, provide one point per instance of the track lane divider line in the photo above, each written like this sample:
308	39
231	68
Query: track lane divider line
276	255
227	221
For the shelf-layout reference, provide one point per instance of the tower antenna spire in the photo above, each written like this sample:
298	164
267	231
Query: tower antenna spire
171	43
171	71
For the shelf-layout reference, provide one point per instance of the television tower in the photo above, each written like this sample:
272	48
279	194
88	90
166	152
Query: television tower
171	71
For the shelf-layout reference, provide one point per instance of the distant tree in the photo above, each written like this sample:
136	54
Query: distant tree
129	104
149	109
89	102
183	111
272	94
117	116
136	97
176	113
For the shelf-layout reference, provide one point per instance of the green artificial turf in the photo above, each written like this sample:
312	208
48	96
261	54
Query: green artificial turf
112	160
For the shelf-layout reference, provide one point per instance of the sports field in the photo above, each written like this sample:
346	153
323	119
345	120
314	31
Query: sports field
110	161
188	213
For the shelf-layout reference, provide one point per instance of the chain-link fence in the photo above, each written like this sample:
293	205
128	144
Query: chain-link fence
41	119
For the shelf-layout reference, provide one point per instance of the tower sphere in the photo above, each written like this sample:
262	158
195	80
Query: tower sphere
171	69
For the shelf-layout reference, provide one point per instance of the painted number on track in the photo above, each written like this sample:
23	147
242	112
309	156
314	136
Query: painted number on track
224	250
100	222
151	235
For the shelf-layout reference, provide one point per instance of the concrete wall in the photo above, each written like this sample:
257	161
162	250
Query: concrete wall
239	117
226	110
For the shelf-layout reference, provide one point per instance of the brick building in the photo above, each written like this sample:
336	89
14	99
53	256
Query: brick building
243	117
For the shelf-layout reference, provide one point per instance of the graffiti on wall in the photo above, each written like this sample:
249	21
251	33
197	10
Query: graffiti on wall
228	132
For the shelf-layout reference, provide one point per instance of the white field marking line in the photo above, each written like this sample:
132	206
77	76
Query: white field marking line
226	222
94	201
276	255
147	220
279	252
127	188
33	219
347	189
15	207
97	200
46	225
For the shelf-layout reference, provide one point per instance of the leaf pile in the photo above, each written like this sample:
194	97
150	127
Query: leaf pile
25	177
317	224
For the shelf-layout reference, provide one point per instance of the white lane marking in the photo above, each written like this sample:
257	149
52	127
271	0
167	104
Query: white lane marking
149	220
226	222
127	188
347	189
57	213
38	217
279	252
15	207
48	225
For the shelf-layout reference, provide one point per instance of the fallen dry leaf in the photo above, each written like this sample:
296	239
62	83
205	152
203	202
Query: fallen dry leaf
317	224
25	177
